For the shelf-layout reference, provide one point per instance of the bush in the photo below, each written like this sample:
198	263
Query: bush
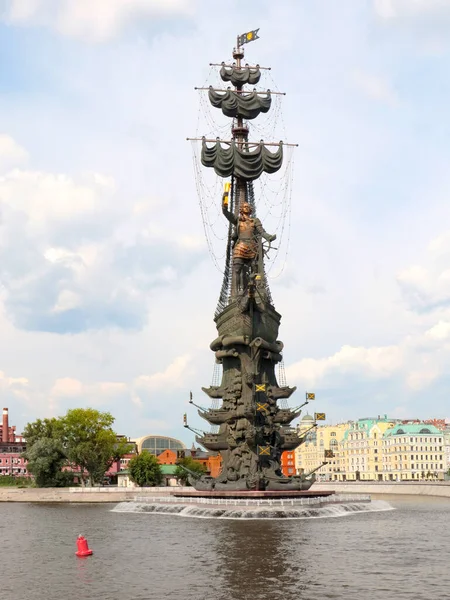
196	468
145	470
12	480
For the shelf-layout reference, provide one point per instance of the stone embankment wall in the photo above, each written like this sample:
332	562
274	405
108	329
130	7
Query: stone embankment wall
388	487
114	494
95	494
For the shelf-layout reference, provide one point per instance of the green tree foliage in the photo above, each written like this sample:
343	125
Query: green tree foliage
45	453
193	465
90	442
45	428
83	439
46	459
145	470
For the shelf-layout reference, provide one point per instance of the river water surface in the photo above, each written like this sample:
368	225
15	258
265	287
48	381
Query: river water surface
392	555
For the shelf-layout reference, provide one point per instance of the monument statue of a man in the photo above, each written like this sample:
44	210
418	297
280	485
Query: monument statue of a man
249	230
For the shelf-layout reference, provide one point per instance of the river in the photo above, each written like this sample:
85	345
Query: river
393	555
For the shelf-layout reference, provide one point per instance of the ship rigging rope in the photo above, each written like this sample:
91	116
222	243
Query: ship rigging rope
273	193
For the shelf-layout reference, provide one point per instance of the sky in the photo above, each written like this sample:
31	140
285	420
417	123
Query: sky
107	287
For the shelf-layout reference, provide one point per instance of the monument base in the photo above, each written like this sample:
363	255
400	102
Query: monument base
253	494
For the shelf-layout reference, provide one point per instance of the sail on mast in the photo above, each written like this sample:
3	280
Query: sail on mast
245	164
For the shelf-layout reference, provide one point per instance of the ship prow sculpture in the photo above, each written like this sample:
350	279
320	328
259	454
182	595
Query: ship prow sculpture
253	430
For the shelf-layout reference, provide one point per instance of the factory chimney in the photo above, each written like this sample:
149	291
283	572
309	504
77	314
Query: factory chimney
5	428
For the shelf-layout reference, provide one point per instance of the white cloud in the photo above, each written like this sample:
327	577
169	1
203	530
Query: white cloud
376	362
376	87
420	379
74	257
94	20
96	393
78	254
426	287
173	377
11	153
47	196
440	331
12	383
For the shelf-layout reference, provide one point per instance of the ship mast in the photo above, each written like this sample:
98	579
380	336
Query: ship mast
239	133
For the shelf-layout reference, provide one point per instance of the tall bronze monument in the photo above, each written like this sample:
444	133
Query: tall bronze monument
252	430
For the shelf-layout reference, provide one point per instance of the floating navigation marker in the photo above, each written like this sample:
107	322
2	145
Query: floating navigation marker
264	450
260	387
329	454
262	407
83	549
320	416
310	396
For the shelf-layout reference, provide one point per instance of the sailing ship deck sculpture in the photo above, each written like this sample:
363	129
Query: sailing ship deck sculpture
253	430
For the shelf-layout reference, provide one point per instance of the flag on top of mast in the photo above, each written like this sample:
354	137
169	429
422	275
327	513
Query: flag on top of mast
248	37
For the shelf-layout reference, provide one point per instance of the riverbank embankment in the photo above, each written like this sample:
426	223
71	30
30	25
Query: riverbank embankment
441	488
78	494
115	494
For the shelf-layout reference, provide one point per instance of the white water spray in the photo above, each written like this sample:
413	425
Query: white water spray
259	512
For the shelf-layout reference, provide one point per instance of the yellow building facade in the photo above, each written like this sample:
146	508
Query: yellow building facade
414	452
362	449
311	454
376	449
356	448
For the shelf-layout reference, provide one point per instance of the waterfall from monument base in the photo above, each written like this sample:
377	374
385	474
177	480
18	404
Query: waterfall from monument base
259	512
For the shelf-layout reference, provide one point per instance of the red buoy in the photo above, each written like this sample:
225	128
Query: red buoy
83	548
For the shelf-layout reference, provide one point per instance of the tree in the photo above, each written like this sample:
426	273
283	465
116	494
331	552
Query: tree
45	453
46	459
145	470
46	428
90	442
193	465
83	439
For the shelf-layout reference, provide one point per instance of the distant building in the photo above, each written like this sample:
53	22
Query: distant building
447	450
362	449
168	450
155	444
311	453
288	463
211	461
11	448
413	451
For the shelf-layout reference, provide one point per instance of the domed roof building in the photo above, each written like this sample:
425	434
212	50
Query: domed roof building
156	444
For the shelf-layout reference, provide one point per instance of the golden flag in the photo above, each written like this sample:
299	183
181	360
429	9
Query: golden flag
226	194
248	37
